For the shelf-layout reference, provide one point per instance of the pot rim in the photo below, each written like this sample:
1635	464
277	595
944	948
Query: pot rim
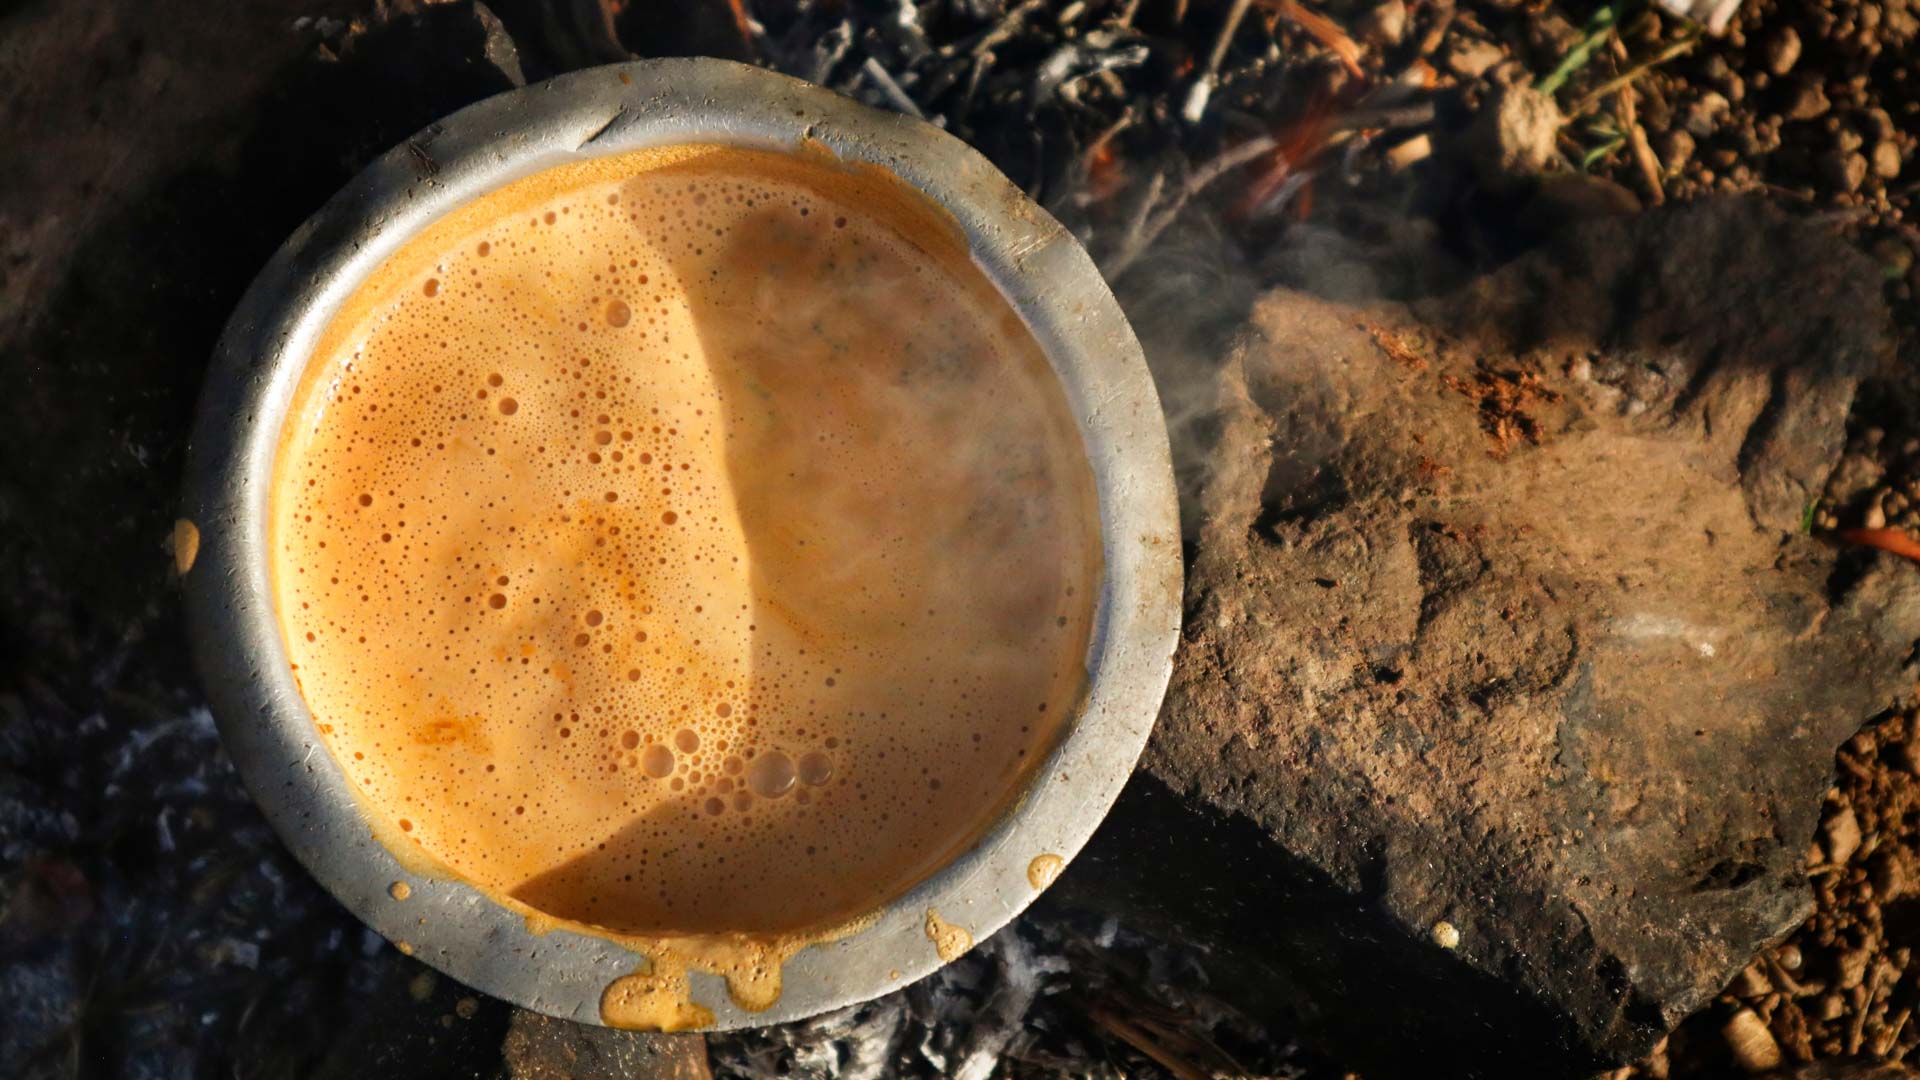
1037	266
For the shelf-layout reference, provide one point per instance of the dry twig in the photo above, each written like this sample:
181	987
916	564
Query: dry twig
1627	77
1643	155
1140	1041
1321	29
1146	226
1202	90
895	96
1894	541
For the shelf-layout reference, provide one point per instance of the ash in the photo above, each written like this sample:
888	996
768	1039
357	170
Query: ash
1055	994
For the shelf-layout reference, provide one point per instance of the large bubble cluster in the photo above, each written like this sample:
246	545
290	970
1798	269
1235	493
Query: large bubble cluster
686	550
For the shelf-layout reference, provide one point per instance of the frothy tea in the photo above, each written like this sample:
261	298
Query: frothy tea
689	542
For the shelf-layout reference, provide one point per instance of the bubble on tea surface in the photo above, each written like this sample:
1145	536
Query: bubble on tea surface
816	768
657	761
687	740
771	775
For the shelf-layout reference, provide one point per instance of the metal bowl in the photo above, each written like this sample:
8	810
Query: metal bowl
1043	273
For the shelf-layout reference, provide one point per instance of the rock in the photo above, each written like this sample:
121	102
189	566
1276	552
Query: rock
1750	1043
1886	159
1889	877
1842	170
1512	137
1877	123
1715	69
1407	153
1550	36
1704	115
1843	837
1807	101
1790	958
1384	24
1676	148
1850	968
1713	14
1486	593
1781	51
1469	58
542	1048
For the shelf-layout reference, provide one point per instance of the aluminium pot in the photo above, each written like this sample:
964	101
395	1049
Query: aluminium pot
1039	268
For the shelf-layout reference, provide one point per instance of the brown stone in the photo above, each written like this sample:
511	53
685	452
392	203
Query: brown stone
1886	159
1471	638
1470	58
1843	171
1512	137
1749	1042
1781	50
1384	24
1842	832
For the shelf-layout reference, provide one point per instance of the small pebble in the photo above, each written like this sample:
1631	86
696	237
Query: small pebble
1471	58
1789	957
1842	832
1808	102
1751	1044
1676	149
1886	159
1781	51
1850	968
1446	935
1703	117
1843	171
1384	24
